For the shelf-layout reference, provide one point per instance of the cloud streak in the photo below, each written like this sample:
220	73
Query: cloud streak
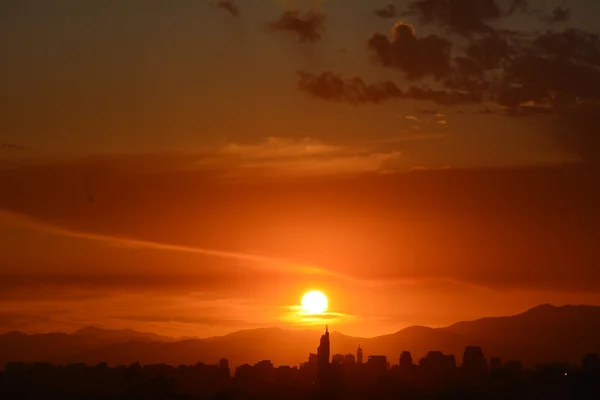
257	260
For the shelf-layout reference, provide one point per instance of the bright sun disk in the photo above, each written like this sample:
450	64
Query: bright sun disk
314	302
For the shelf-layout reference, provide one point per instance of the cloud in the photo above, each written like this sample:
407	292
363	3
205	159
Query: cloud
257	261
417	137
229	6
343	164
295	315
332	86
277	147
555	74
174	314
556	16
416	56
308	28
443	97
146	228
387	12
560	14
487	52
305	157
281	158
518	6
464	17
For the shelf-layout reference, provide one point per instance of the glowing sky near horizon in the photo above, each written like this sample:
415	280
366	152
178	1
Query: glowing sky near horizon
175	167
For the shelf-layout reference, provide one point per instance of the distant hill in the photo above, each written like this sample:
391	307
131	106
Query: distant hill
121	335
55	347
542	334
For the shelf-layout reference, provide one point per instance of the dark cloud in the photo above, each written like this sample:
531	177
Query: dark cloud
416	56
386	12
559	14
463	17
522	74
230	6
571	45
554	73
488	52
443	97
332	86
518	6
307	27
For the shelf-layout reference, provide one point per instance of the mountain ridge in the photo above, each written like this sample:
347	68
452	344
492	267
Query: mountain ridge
541	334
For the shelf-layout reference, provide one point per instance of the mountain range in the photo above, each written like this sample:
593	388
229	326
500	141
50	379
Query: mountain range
543	334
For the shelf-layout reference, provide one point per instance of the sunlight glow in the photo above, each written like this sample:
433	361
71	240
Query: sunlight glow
314	302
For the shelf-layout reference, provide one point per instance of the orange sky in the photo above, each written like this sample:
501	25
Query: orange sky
180	169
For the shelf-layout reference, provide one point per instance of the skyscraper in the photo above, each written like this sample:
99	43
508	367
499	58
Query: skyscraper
359	355
323	358
324	348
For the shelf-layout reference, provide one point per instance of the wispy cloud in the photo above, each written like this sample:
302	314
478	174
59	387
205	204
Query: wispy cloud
295	315
278	147
282	157
259	261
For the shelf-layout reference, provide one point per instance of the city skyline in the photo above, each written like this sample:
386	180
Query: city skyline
500	337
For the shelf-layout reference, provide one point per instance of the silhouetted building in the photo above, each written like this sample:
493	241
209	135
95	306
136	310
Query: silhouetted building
224	363
438	361
349	359
437	379
359	355
337	359
406	360
377	364
260	374
313	359
591	363
323	358
474	360
515	367
287	375
495	363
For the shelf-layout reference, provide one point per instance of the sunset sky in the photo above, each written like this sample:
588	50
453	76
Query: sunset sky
192	167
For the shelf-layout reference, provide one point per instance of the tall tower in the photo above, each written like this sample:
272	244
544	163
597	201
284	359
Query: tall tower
359	355
324	348
323	358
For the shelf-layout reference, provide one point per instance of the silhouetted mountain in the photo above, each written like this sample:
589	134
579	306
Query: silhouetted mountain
56	347
121	335
543	334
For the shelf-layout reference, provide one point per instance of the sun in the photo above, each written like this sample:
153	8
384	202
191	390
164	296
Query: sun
314	302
